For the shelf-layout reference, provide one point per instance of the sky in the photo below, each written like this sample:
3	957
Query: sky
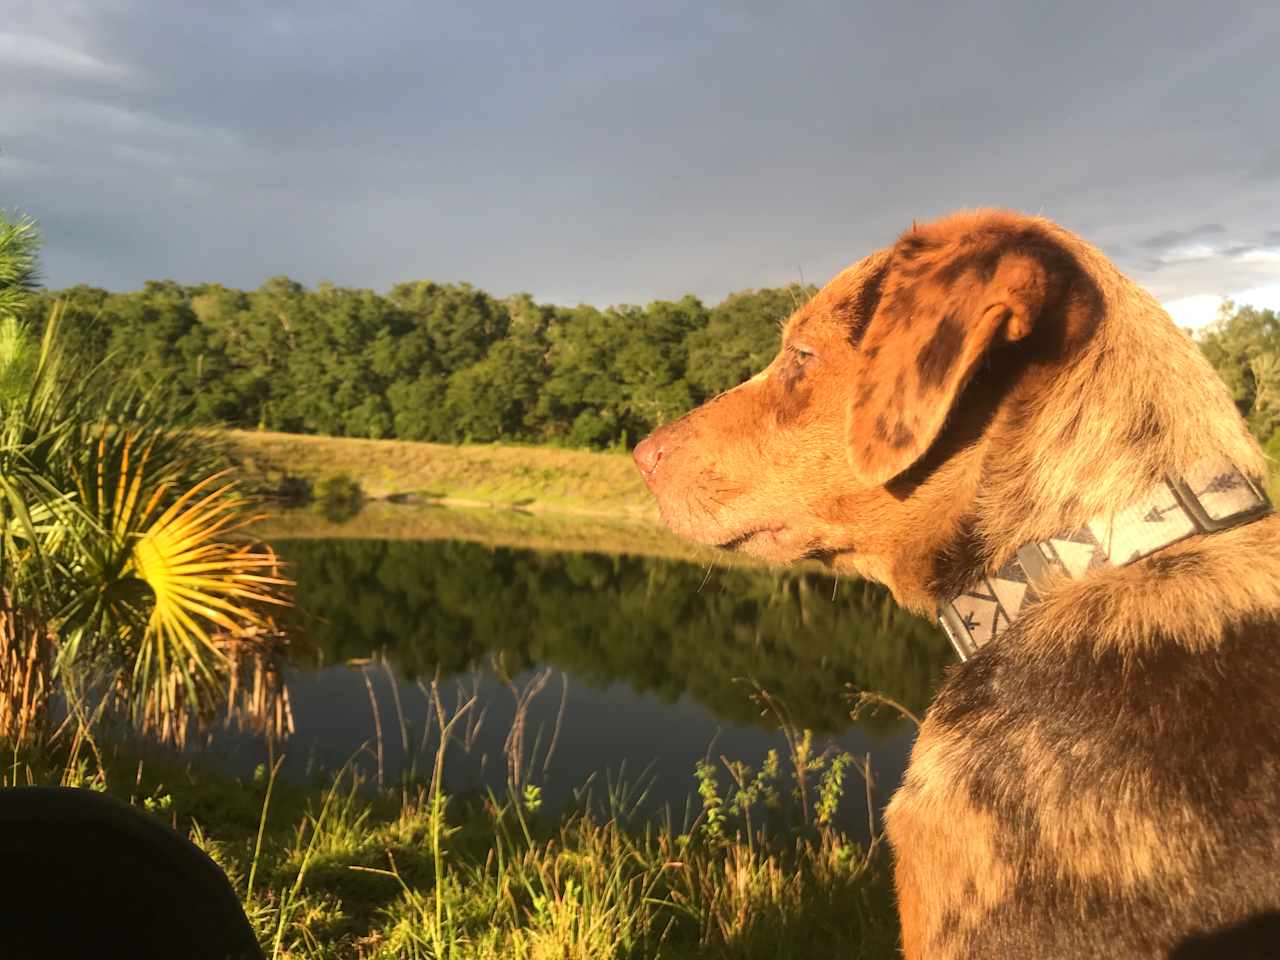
624	152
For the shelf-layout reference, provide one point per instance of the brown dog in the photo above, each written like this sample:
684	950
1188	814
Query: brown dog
993	421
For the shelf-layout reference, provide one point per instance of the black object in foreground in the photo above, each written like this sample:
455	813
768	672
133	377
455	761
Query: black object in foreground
85	875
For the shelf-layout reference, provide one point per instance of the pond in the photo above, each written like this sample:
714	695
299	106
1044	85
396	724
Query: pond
631	669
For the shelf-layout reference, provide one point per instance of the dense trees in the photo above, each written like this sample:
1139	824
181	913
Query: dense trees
450	363
425	361
1244	346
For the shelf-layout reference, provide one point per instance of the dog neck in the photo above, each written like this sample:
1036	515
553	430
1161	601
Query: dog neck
1211	496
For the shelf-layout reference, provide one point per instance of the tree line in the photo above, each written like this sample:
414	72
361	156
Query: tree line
451	363
426	361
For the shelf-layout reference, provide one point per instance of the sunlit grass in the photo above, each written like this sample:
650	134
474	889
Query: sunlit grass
577	481
339	870
481	878
353	881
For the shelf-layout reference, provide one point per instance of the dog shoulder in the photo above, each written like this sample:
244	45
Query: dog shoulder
1059	786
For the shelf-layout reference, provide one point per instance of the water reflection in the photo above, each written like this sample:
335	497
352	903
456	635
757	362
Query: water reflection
658	628
648	660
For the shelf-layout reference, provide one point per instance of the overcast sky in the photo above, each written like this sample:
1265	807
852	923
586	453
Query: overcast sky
623	152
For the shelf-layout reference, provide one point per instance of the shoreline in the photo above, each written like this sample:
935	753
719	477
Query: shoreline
502	496
531	478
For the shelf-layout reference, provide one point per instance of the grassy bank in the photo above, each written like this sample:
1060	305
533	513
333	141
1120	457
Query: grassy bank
519	529
531	498
335	870
534	479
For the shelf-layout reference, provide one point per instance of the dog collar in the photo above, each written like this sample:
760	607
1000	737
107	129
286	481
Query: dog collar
1212	496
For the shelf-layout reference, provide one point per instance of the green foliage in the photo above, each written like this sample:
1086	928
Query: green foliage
1272	447
112	527
831	789
17	359
1272	450
740	337
495	398
1244	347
713	806
427	361
449	363
19	244
334	870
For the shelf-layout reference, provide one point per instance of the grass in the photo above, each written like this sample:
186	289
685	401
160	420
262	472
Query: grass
338	869
433	876
548	531
546	498
535	498
537	490
534	479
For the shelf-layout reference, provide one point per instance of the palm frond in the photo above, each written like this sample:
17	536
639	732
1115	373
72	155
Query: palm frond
118	533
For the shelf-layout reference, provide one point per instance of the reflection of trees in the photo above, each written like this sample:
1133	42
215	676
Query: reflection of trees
609	619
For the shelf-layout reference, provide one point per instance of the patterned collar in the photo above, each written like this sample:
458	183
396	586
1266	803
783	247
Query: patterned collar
1212	496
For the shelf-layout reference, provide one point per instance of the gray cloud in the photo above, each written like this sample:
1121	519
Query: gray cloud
613	151
1268	166
1174	258
1171	239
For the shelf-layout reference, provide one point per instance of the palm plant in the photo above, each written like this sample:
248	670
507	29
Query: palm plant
125	564
19	243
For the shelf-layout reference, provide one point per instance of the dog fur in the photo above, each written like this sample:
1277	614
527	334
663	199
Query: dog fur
1103	780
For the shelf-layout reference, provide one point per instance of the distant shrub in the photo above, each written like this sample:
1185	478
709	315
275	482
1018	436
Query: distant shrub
293	491
339	497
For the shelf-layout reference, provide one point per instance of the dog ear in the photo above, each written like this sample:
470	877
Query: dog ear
944	305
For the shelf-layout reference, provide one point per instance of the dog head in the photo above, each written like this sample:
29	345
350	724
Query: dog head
912	386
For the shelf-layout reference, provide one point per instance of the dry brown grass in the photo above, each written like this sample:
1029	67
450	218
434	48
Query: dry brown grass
534	478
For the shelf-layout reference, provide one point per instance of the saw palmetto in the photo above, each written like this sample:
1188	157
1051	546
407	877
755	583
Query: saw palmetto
174	575
122	536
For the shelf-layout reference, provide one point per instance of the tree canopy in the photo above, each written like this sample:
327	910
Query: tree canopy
425	361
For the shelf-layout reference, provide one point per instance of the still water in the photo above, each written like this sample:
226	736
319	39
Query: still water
633	669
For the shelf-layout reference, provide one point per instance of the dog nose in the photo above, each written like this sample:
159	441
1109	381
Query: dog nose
648	453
